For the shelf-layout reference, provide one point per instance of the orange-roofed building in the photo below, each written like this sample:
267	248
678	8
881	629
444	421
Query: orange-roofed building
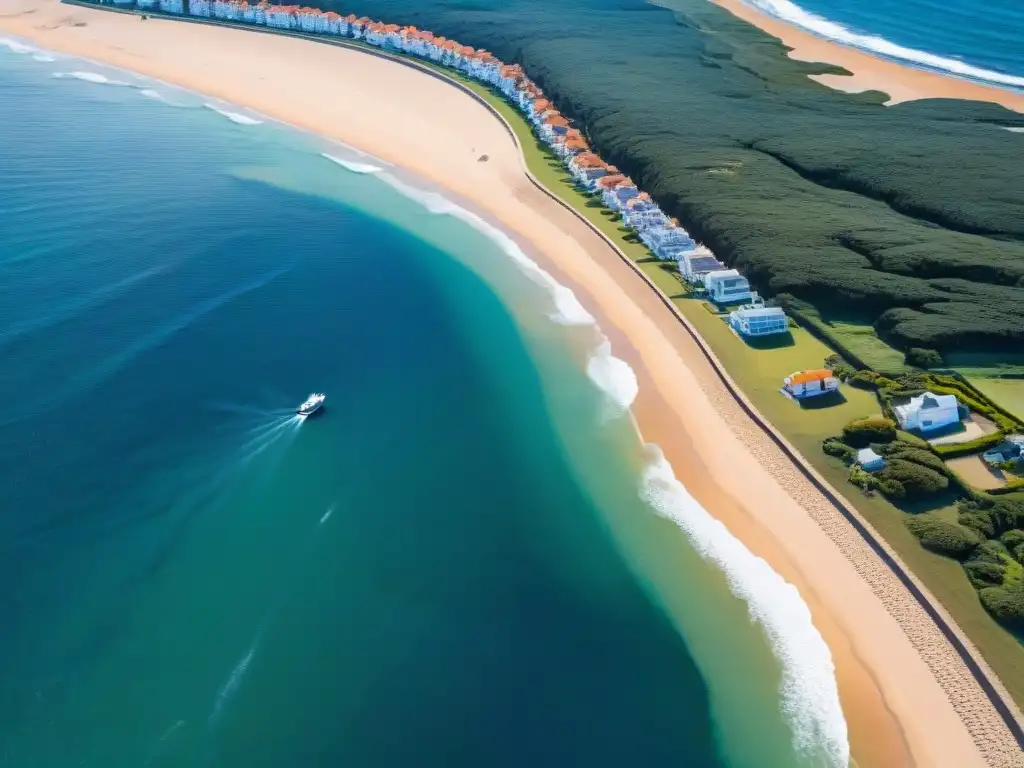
819	381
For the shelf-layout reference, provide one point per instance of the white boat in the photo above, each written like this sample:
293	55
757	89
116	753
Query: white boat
313	404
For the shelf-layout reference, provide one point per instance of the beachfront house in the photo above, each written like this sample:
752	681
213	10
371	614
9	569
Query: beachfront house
755	320
928	412
667	241
810	383
1012	448
616	191
641	212
727	286
693	265
870	461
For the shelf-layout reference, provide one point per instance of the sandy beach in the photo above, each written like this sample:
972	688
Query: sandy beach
908	698
867	72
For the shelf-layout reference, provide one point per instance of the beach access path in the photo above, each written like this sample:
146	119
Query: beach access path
908	696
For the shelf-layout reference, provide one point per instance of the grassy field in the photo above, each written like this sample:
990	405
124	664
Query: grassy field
1009	393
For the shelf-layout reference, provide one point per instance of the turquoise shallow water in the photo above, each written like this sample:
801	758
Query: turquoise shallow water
453	565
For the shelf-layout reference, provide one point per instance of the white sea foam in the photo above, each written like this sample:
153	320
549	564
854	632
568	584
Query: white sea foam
15	47
567	311
326	515
614	377
350	165
794	14
91	77
235	117
149	93
1014	129
42	57
810	695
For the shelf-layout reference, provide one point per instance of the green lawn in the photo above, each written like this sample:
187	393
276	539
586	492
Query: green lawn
1009	393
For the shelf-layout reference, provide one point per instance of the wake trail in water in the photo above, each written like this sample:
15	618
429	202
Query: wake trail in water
160	742
235	677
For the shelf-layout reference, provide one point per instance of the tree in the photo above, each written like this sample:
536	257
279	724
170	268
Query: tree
943	537
860	433
923	358
916	480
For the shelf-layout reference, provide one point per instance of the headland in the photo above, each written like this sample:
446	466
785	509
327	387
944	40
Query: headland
908	697
900	82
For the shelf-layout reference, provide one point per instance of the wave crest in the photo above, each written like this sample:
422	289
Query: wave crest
91	77
793	14
234	117
350	165
810	694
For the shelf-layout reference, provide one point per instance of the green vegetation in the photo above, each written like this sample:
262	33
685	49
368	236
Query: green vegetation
906	219
862	432
923	358
946	538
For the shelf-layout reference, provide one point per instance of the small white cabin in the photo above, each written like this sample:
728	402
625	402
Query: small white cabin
928	412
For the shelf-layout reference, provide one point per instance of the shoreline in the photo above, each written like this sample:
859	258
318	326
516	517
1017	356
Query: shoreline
899	81
664	358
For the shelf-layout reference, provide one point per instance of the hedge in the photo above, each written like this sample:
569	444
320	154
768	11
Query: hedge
943	537
977	445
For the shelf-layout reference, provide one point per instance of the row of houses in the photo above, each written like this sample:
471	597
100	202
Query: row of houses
659	232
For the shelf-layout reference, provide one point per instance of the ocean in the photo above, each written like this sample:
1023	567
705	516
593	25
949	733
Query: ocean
466	559
980	40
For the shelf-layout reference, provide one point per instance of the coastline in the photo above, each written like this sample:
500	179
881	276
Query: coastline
901	82
889	695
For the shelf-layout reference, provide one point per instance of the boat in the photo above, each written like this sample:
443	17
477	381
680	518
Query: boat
313	404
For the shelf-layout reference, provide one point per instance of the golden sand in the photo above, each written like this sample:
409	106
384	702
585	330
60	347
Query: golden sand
909	700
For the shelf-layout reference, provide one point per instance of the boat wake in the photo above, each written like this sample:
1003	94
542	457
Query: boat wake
793	14
155	753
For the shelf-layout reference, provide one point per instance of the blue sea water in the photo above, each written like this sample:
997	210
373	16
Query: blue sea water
466	560
980	40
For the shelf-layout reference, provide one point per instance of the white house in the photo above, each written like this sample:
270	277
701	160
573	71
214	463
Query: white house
727	286
698	262
869	460
811	383
758	320
928	412
1010	449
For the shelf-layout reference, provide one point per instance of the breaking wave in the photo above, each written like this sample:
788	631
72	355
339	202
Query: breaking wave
149	93
349	165
42	57
91	77
15	47
234	117
810	695
830	30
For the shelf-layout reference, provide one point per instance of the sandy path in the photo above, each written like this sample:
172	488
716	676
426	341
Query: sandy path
908	698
